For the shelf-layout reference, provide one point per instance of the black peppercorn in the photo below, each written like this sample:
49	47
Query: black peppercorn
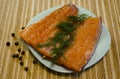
8	43
20	58
19	50
23	28
35	61
13	55
23	52
16	43
13	34
16	55
26	68
21	63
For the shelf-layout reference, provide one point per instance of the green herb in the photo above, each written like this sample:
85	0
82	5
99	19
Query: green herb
62	40
73	18
61	47
66	27
83	17
58	37
78	19
45	44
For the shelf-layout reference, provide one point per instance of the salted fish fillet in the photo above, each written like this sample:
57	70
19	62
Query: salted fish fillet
40	32
84	43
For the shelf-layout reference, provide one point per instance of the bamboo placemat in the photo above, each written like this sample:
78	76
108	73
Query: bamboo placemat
15	14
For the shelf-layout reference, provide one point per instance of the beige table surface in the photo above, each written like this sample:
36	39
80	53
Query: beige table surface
17	13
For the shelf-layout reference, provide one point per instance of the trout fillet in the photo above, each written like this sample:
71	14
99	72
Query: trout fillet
84	43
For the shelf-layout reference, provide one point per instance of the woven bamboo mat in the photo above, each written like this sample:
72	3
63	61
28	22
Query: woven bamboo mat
15	14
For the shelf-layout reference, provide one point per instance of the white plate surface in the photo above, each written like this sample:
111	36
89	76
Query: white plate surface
101	49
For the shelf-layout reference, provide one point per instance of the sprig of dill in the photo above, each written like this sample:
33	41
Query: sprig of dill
62	40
